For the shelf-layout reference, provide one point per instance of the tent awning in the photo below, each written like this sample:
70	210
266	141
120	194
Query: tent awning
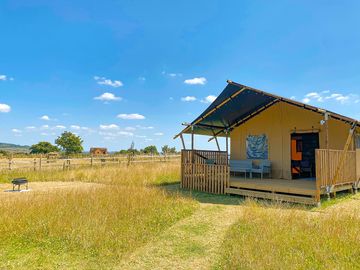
238	103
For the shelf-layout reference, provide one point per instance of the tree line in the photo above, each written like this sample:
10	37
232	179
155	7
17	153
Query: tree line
70	143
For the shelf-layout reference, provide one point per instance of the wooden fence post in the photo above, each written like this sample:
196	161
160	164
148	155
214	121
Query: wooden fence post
10	161
34	164
40	162
91	161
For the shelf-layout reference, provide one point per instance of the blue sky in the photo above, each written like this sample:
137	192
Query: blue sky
122	71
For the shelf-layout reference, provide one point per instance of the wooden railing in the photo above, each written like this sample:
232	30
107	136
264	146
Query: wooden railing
206	171
327	162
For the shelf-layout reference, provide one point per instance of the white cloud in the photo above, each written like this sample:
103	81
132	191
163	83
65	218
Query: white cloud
125	133
130	128
142	79
15	130
3	77
142	127
30	128
328	96
209	99
158	134
306	100
194	81
44	127
4	108
115	134
75	127
107	97
108	134
45	117
104	81
188	98
140	136
59	127
109	127
131	116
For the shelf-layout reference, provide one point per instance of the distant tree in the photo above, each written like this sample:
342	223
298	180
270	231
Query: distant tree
122	152
168	150
151	149
3	153
70	143
43	148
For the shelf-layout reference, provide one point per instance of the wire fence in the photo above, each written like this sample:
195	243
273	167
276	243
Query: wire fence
43	163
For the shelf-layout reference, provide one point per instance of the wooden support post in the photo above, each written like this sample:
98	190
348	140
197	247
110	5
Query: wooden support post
227	146
343	155
34	164
217	144
357	168
91	161
183	142
326	118
192	138
40	162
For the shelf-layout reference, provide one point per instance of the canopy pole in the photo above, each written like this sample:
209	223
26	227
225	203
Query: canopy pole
183	142
227	146
216	140
327	144
192	148
217	144
192	137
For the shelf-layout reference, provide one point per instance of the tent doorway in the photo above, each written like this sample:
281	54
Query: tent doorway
303	147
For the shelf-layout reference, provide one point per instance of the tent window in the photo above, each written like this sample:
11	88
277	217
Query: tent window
257	147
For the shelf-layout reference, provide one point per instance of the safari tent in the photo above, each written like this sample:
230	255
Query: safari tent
276	148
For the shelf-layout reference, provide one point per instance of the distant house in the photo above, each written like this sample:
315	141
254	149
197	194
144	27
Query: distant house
98	151
53	155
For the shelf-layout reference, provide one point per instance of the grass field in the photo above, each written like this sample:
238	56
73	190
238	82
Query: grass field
89	228
137	217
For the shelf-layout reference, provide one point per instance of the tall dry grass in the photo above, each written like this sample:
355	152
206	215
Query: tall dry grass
88	228
135	174
286	238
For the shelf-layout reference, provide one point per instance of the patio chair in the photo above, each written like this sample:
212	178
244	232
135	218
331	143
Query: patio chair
263	168
241	166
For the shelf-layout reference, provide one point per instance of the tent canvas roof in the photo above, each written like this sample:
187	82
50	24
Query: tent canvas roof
238	103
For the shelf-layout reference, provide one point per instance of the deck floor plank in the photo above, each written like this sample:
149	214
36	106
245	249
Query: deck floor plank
298	187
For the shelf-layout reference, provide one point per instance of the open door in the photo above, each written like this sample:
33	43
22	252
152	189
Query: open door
303	147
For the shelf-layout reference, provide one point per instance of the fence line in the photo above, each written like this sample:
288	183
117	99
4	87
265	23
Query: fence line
68	163
327	162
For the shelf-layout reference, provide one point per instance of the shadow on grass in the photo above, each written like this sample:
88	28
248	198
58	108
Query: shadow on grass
228	199
203	197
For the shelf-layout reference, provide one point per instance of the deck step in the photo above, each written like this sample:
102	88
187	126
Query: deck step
271	196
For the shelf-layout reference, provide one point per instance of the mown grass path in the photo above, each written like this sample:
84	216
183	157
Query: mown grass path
192	243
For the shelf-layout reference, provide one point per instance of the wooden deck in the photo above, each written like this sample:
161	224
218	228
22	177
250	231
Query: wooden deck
299	191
